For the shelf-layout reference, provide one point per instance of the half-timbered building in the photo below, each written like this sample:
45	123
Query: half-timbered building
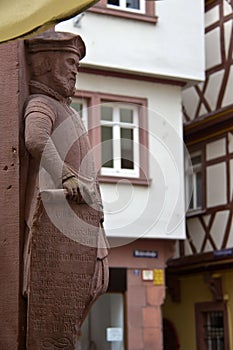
199	307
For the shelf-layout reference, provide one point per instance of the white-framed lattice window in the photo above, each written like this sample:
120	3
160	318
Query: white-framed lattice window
80	105
194	181
128	5
119	139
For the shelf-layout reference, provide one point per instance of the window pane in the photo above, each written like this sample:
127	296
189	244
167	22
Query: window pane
190	191
214	326
133	4
106	113
127	159
126	115
195	181
114	2
199	190
78	107
196	160
107	147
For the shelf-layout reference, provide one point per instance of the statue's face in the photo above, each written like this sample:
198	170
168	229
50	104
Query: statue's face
64	71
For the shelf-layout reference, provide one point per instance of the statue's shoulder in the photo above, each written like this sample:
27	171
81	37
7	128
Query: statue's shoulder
40	99
41	104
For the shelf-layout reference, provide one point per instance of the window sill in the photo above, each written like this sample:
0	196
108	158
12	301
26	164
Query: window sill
126	180
123	14
195	212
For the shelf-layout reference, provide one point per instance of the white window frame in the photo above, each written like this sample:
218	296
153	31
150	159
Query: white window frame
192	171
84	110
116	124
122	6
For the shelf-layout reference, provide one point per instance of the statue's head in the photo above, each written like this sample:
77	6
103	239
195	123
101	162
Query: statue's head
54	60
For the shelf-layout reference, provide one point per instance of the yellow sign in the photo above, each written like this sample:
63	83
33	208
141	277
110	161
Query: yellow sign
158	277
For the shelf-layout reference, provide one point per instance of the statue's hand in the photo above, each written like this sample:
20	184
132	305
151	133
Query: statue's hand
79	191
71	185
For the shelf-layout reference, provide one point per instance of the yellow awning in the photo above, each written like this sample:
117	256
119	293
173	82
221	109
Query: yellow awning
20	18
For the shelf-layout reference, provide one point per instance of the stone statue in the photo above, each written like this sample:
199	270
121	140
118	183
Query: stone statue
65	255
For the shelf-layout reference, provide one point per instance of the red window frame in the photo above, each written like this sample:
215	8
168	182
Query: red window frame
94	131
200	310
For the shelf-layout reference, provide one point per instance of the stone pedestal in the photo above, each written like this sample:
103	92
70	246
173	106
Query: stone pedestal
13	92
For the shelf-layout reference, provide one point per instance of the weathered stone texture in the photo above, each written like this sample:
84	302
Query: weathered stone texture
9	189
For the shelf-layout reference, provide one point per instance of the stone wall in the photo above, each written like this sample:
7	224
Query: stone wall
13	92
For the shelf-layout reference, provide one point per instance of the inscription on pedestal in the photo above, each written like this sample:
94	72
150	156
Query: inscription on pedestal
61	273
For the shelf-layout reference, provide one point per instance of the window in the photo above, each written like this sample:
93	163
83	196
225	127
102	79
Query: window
194	181
214	328
211	326
119	140
128	5
141	10
117	128
81	107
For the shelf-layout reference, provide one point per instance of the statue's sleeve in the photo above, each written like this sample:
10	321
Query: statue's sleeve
39	123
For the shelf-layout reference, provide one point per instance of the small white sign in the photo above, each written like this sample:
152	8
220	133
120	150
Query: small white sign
114	334
147	275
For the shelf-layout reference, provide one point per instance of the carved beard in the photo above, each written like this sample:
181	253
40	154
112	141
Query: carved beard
65	86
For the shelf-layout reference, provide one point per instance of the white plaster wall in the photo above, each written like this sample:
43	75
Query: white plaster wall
218	227
231	176
212	16
156	211
216	149
216	184
230	142
196	232
230	238
227	100
190	101
213	89
172	48
213	50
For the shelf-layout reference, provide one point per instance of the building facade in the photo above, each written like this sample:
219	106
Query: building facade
140	55
200	278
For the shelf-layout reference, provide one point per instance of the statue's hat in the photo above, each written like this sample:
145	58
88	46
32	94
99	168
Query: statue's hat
57	41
